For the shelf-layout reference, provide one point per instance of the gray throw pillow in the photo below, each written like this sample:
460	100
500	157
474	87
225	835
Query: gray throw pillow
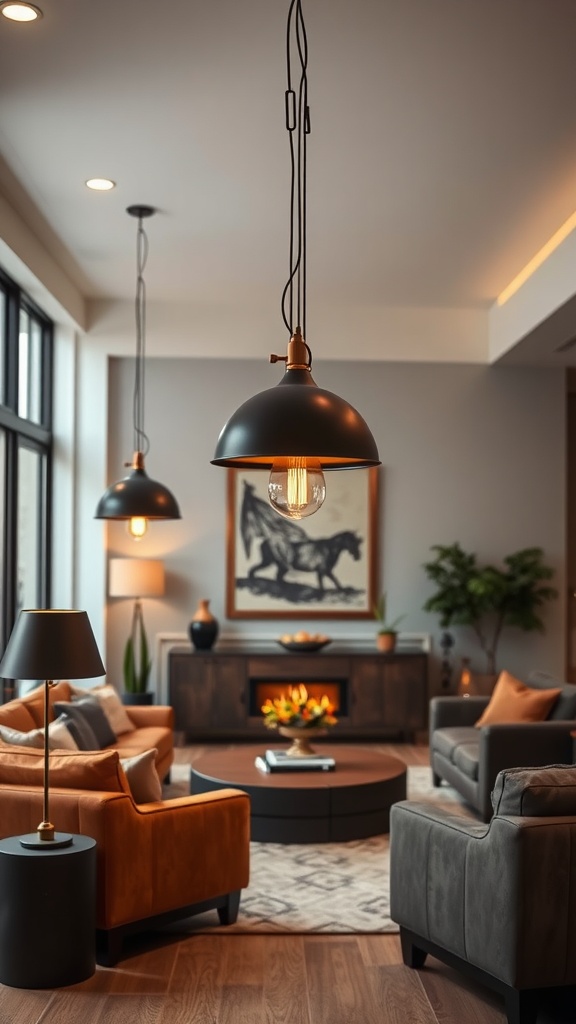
97	719
78	725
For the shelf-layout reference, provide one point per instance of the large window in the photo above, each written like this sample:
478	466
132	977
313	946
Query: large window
25	456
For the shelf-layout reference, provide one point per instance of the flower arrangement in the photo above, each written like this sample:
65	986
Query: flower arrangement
298	710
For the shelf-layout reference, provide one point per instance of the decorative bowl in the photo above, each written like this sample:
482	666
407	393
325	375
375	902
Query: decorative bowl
304	646
301	737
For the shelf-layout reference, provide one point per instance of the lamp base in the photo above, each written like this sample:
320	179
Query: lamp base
34	842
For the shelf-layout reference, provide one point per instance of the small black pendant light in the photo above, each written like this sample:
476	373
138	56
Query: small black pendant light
296	428
136	498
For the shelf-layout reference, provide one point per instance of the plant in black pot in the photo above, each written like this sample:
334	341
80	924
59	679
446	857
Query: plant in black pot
137	662
488	598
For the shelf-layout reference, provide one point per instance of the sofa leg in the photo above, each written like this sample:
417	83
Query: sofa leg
108	946
411	954
229	912
436	780
521	1006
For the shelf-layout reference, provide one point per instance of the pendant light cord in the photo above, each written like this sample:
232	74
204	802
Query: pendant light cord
141	441
297	111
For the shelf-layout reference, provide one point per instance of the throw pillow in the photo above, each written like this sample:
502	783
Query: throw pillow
142	776
111	705
34	700
96	770
59	737
34	738
512	701
96	719
78	724
565	707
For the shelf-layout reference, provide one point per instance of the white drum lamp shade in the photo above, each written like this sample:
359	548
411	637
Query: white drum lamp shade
136	577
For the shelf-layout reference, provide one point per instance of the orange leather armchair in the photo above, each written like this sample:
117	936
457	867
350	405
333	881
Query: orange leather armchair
156	862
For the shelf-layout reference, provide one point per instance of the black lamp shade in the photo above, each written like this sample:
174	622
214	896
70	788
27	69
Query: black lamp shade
51	644
296	418
137	496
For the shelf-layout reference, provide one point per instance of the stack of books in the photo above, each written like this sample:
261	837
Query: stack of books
281	761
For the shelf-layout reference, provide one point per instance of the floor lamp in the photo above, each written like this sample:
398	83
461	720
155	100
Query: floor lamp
138	578
46	939
50	645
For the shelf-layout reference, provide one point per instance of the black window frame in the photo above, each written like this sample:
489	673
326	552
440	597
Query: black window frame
20	432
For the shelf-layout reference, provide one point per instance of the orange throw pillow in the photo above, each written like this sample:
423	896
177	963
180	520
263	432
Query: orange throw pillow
512	701
78	769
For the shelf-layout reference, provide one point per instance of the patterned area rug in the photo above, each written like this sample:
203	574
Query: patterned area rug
326	887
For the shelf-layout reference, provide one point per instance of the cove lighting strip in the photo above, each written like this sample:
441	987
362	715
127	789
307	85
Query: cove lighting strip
541	256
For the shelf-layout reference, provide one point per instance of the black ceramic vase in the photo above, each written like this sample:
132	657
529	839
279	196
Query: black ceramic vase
203	628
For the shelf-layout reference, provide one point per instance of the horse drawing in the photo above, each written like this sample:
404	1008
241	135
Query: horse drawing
318	556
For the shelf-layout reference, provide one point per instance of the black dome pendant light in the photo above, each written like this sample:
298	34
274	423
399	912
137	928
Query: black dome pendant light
296	428
136	498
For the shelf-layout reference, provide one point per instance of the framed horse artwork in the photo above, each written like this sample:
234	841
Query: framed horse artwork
323	566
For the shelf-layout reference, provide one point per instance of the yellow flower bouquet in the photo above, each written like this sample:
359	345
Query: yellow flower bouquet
298	711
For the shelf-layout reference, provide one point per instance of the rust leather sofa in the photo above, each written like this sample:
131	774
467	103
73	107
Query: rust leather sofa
156	862
153	725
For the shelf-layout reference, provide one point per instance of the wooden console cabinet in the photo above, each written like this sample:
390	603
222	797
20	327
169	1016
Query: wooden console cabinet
213	692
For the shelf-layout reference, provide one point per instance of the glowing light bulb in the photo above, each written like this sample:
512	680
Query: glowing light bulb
137	527
296	488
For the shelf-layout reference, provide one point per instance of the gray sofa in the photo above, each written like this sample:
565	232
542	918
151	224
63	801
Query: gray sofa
469	759
496	901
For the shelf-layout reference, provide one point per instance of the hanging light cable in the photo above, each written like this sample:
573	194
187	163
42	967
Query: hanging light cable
136	498
296	429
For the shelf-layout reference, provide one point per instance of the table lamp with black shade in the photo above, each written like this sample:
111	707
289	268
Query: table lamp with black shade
49	645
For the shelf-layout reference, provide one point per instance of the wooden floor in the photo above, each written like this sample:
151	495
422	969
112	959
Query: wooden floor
268	979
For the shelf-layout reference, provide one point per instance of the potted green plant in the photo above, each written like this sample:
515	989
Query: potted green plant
488	598
137	662
386	635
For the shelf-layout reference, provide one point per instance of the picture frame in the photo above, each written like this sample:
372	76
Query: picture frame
320	567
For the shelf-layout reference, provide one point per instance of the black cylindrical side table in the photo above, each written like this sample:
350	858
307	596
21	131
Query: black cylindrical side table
47	914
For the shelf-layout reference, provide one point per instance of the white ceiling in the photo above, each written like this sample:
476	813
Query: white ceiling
442	153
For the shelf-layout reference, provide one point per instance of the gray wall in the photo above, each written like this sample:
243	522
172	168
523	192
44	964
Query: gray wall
469	453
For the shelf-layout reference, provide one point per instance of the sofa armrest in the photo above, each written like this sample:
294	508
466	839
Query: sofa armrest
151	714
455	711
428	842
151	858
522	745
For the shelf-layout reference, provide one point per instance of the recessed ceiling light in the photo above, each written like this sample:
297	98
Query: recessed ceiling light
19	11
100	184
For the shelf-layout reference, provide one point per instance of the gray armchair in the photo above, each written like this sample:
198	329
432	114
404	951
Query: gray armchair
469	759
496	901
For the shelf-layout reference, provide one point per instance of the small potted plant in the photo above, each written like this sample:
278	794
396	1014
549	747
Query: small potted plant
386	636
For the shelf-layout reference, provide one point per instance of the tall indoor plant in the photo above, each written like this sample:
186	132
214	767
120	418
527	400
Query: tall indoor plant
488	598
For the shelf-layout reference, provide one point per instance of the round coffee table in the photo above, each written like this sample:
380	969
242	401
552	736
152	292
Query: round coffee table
351	802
